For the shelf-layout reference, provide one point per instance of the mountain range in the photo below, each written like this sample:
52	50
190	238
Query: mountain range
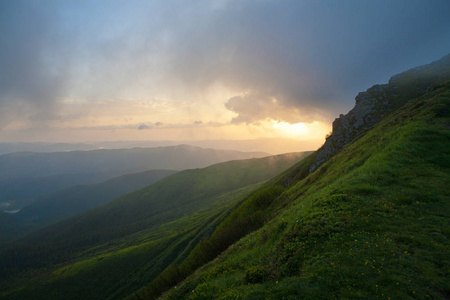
162	218
28	176
73	200
366	216
269	145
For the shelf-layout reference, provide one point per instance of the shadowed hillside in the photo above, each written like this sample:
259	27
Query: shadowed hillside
73	200
137	235
27	176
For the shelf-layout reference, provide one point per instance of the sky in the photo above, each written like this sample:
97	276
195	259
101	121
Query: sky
81	70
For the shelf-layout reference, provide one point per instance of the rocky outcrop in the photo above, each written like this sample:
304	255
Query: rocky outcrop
380	100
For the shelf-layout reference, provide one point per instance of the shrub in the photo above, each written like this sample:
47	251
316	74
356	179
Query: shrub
256	274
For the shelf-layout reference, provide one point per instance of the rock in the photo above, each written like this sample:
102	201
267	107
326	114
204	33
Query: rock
378	101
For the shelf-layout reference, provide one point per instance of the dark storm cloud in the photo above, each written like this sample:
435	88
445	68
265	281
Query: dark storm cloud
310	57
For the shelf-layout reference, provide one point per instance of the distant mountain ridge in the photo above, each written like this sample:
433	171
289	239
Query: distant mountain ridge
181	157
76	199
269	145
26	176
73	200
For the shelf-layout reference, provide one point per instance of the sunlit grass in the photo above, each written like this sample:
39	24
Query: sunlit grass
373	222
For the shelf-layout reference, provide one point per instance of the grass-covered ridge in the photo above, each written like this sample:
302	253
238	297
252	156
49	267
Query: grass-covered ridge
74	200
114	250
371	223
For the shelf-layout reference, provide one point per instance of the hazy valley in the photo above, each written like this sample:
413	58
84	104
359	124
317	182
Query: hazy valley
367	213
224	149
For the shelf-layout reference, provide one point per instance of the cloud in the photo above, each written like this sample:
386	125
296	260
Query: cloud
150	125
311	57
143	126
253	108
32	78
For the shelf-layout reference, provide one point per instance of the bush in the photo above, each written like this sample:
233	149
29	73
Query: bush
257	274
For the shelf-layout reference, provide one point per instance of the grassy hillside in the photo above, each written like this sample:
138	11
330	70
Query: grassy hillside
74	200
15	193
28	176
371	223
114	250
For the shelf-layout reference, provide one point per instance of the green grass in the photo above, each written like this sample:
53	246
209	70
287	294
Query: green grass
371	223
118	269
71	201
113	251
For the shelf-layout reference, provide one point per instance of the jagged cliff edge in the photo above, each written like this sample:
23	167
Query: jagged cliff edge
380	100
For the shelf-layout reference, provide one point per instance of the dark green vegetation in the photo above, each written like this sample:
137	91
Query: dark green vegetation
370	222
17	192
27	176
373	222
113	250
74	200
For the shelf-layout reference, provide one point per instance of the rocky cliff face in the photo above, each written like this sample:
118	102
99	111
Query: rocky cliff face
380	100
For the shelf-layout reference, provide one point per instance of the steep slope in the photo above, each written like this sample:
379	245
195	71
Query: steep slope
77	199
372	221
132	239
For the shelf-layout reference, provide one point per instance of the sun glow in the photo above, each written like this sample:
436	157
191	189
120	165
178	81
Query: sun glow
291	130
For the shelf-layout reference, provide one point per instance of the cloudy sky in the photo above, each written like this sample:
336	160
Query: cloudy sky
217	69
